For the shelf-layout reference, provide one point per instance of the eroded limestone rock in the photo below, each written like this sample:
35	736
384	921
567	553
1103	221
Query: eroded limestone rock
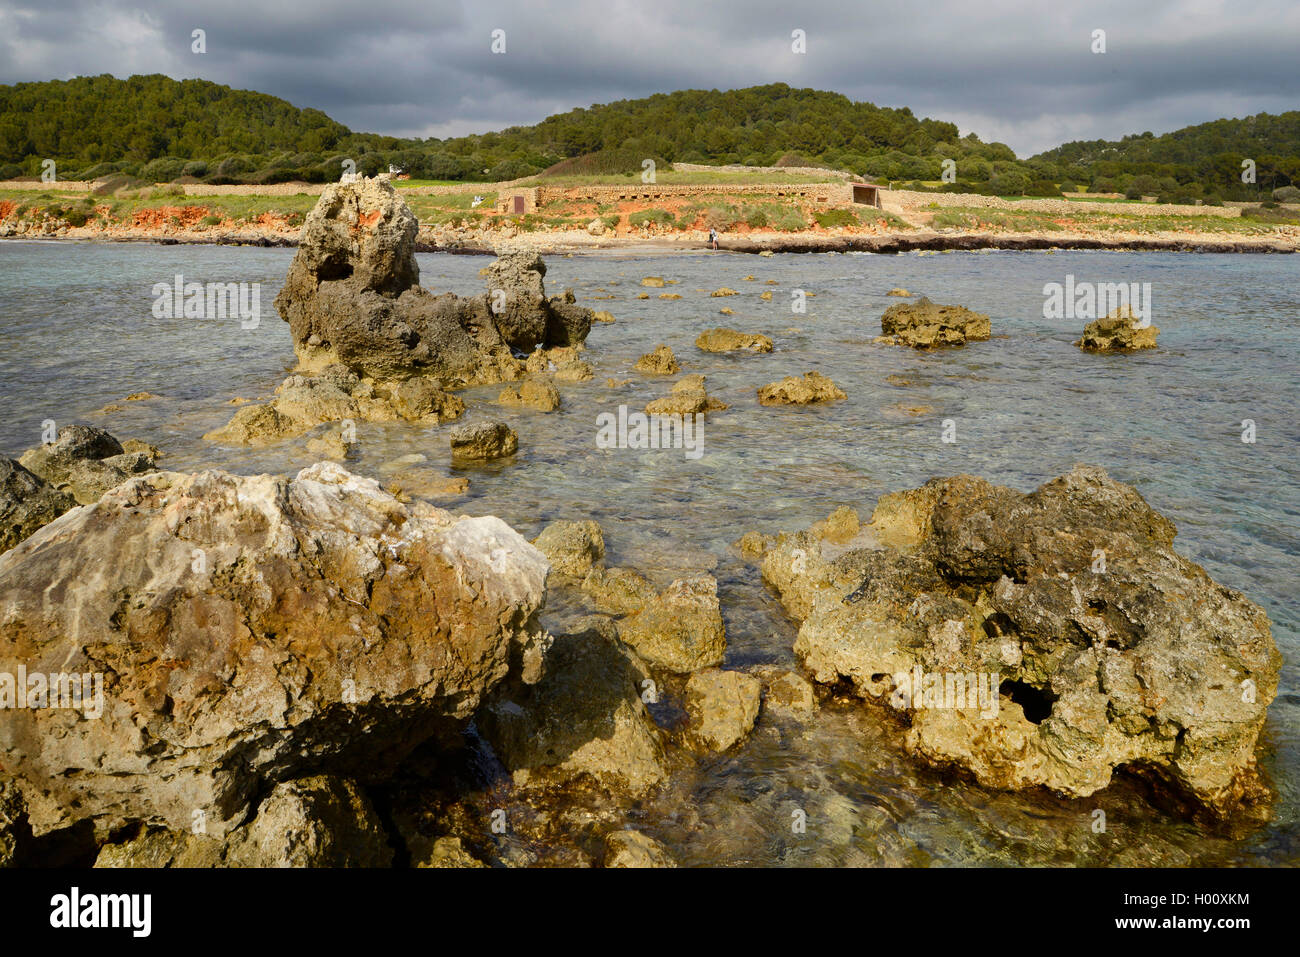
792	390
926	325
1121	331
1108	649
245	628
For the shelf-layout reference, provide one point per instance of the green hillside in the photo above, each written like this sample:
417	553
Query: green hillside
159	130
1204	159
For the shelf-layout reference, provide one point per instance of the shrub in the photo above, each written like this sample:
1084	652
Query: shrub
835	218
510	169
163	169
646	217
789	220
1287	194
1009	183
234	166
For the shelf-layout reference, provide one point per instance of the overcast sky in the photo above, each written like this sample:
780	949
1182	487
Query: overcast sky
1019	72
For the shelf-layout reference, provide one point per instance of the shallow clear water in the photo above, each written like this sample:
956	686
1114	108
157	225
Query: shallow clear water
78	334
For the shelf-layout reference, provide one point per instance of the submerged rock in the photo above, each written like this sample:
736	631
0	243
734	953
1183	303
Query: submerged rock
792	390
1043	639
573	548
352	297
563	363
686	398
1121	331
531	394
336	394
248	628
680	629
723	706
85	462
729	340
925	325
619	591
634	849
659	362
26	503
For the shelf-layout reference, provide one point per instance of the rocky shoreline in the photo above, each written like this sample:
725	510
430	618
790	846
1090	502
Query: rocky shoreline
314	670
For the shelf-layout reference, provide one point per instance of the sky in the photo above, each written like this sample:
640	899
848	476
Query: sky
1022	73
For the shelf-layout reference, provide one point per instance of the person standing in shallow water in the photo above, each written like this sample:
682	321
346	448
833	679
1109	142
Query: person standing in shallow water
713	238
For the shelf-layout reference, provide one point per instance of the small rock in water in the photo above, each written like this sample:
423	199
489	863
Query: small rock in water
573	548
723	706
926	325
1121	331
792	390
729	340
659	362
483	440
85	462
532	394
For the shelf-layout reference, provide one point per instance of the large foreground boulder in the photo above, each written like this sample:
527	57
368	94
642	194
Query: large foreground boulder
1042	639
231	632
352	297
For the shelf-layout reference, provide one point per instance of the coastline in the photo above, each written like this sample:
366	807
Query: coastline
921	241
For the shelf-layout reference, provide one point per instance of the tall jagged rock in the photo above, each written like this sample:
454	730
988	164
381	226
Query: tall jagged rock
352	297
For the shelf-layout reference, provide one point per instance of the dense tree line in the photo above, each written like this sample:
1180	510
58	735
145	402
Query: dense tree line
159	130
1203	161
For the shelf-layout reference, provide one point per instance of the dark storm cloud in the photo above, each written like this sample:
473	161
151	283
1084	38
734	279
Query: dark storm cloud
1018	72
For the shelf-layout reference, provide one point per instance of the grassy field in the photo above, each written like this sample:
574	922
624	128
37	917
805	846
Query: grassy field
123	207
153	207
1254	223
689	178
